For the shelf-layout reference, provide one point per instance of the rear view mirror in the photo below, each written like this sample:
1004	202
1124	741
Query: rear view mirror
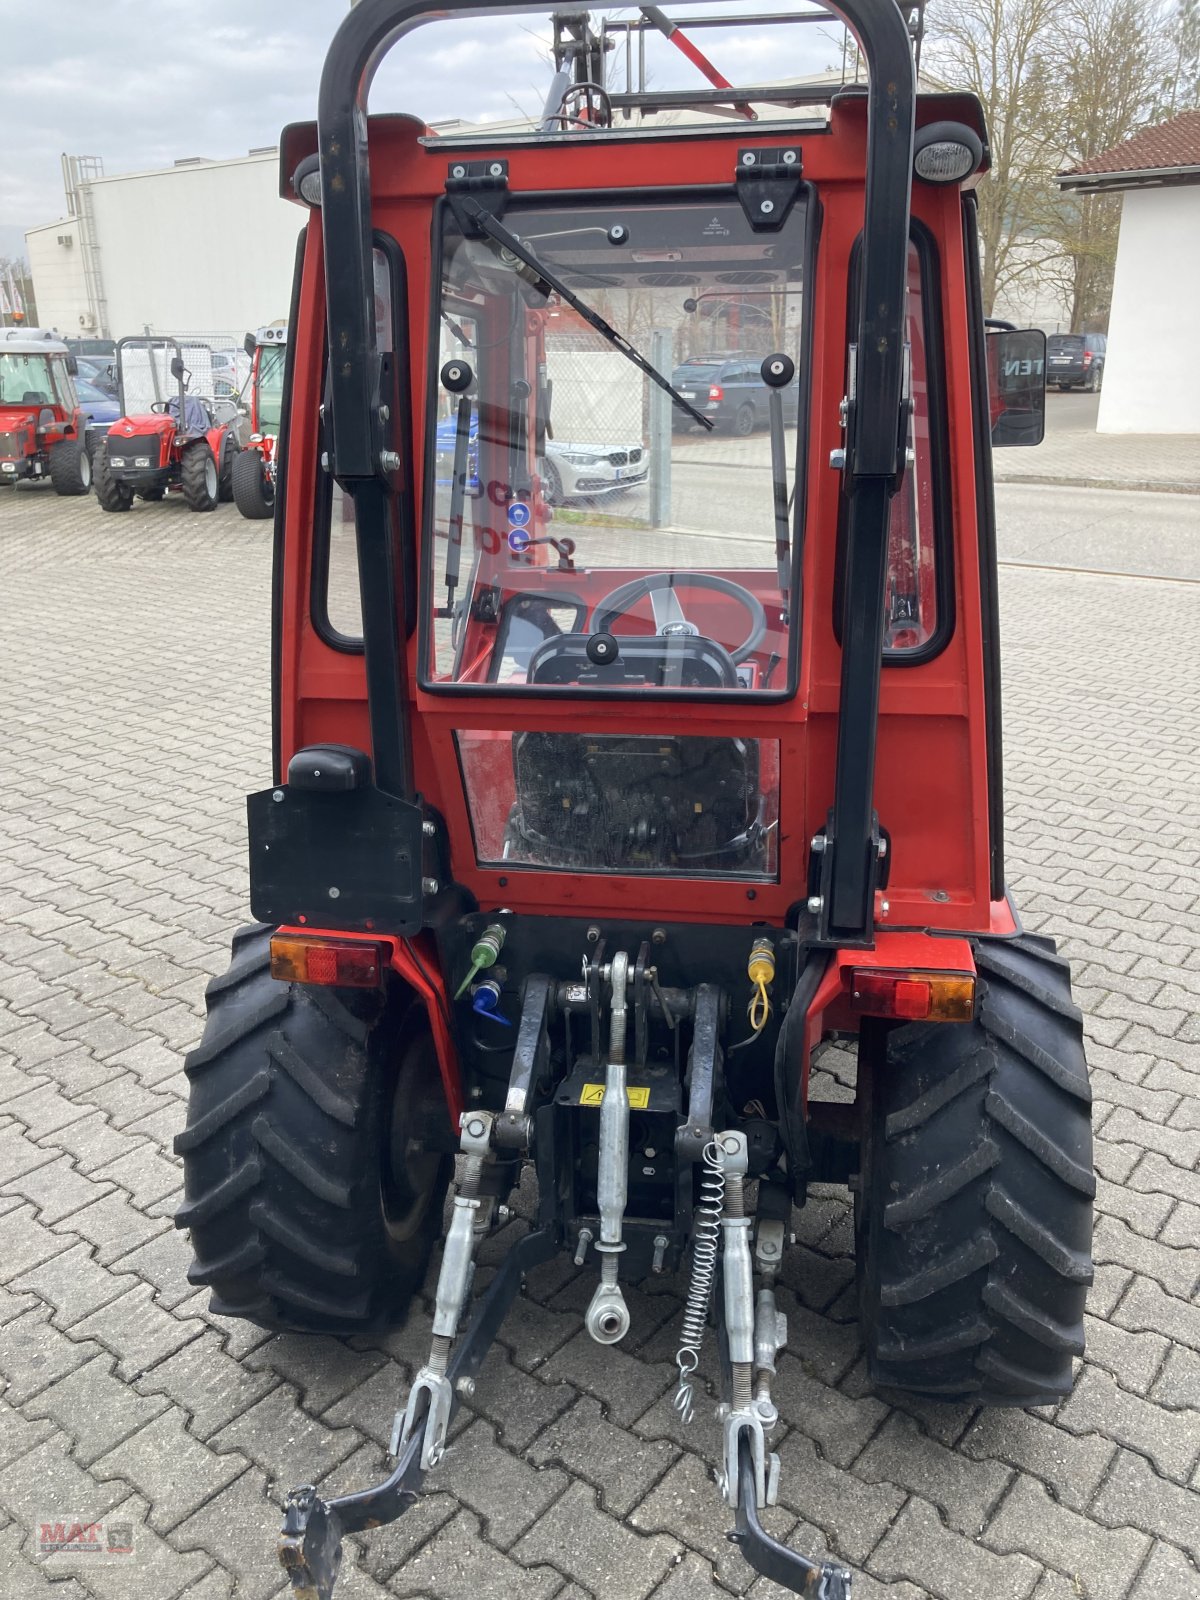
1016	366
177	367
72	365
248	345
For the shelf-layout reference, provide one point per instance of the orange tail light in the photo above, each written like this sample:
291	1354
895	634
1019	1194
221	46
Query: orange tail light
912	996
346	963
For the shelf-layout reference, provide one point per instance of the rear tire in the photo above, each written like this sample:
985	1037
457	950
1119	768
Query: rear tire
312	1202
975	1214
225	476
551	483
198	474
70	467
112	494
253	494
743	421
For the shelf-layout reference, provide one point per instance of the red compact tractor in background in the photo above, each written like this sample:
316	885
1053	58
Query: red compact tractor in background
593	825
42	429
180	442
254	467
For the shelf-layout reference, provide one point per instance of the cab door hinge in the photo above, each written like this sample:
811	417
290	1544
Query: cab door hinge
486	182
767	183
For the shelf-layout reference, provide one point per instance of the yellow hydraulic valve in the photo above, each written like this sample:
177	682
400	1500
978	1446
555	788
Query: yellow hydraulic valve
760	969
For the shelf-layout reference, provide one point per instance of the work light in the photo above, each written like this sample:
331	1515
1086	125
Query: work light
946	152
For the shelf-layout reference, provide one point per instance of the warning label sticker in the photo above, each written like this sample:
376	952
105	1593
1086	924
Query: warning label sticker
593	1095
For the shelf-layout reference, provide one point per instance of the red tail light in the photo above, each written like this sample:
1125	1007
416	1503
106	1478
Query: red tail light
346	964
1087	358
715	392
913	996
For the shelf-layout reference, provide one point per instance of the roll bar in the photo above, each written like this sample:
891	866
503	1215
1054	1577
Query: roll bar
374	26
876	408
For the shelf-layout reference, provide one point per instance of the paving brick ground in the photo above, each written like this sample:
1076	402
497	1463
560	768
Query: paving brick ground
135	715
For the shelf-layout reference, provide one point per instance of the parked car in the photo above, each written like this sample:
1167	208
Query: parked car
98	371
571	471
100	411
730	390
1076	360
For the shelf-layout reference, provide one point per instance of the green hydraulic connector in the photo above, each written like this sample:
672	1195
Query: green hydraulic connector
483	954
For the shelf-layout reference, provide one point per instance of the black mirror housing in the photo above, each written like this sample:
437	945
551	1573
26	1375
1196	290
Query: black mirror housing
177	367
72	365
1016	368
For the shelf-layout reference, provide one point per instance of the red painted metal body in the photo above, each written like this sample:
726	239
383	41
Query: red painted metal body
931	788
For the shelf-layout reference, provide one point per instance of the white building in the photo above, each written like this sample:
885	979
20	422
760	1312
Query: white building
203	245
1150	383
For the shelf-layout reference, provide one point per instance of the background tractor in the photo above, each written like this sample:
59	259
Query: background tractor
254	467
588	831
42	428
179	442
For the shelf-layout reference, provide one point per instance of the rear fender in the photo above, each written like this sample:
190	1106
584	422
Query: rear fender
416	962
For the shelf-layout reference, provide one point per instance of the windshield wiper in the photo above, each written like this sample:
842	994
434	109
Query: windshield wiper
548	280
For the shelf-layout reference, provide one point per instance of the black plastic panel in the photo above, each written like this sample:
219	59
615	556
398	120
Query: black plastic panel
335	860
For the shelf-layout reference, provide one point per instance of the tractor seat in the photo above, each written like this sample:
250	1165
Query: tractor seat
35	397
196	417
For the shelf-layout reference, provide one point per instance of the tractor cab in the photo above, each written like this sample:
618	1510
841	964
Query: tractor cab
637	736
167	438
42	429
254	467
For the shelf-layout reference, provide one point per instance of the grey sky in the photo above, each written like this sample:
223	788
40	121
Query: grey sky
142	84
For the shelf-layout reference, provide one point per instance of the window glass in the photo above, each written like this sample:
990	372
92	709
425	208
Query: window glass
912	590
25	380
270	387
564	483
665	804
343	602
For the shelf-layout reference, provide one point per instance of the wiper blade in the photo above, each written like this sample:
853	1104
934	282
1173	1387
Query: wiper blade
548	280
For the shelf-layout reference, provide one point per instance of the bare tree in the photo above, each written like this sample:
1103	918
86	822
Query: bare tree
1109	60
998	50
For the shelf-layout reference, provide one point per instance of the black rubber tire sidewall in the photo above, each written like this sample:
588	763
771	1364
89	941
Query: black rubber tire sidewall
975	1200
112	494
289	1117
249	486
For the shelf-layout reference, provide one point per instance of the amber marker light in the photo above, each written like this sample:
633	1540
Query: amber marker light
345	963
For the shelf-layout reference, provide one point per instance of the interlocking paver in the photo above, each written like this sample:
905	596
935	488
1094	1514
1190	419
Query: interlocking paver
585	1442
116	899
1134	1495
173	1469
138	1332
901	1454
1097	1562
73	1284
457	1564
1168	1575
595	1549
920	1548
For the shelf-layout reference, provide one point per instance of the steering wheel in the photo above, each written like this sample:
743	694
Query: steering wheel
659	588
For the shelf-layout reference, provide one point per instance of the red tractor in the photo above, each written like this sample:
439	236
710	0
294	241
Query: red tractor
42	429
589	832
254	467
180	442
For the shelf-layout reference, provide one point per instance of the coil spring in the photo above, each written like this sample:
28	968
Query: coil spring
706	1234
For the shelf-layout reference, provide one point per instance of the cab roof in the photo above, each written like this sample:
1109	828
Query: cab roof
31	342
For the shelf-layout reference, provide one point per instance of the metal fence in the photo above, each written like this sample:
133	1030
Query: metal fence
216	362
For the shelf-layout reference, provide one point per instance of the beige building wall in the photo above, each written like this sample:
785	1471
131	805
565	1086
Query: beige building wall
56	263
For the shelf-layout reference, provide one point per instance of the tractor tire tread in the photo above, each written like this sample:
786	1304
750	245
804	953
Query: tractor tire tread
284	1146
977	1190
193	475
